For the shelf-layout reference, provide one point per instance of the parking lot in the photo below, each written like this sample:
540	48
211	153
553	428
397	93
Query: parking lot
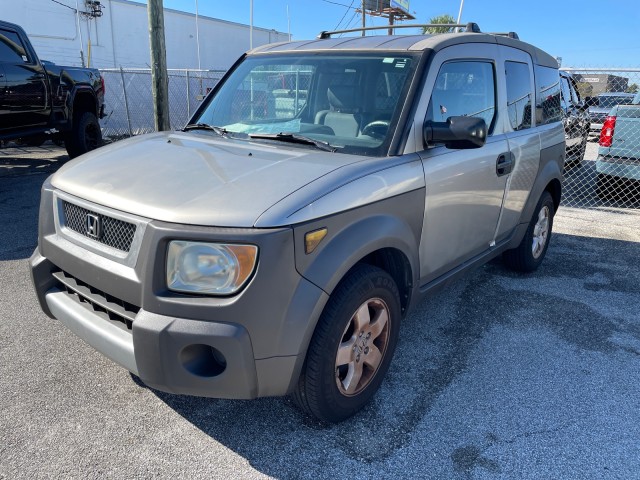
499	376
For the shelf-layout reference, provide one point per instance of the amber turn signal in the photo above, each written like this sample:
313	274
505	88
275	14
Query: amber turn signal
313	239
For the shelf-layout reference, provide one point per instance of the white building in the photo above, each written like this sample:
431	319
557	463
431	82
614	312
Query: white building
119	37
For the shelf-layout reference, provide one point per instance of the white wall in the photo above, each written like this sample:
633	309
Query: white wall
120	36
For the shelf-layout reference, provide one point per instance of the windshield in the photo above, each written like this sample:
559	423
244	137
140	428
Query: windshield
350	102
610	101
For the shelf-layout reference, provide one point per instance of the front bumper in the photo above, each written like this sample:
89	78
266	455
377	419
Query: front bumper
250	345
175	355
595	128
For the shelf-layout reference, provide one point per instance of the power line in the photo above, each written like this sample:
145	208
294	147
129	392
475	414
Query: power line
341	4
60	3
350	24
345	14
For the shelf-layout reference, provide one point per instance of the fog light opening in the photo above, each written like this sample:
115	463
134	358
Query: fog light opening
203	360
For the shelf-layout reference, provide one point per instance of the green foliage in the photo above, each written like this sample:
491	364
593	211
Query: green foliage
438	20
633	88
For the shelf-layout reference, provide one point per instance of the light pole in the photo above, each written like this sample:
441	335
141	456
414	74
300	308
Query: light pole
198	36
460	13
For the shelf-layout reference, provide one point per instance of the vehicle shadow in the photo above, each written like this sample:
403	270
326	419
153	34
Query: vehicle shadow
31	160
578	297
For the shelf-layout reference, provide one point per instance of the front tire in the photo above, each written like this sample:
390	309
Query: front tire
528	256
85	136
352	346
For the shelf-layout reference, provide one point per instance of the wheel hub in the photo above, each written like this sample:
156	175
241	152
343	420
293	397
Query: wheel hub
540	232
362	348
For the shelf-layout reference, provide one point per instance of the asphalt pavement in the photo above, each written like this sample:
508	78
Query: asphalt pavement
501	376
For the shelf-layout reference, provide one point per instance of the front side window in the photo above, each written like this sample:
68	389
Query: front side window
349	102
519	94
464	88
548	105
11	48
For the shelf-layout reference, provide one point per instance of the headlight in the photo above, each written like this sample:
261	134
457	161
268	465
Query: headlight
211	268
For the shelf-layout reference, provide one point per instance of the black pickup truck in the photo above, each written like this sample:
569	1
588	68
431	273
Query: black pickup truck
40	100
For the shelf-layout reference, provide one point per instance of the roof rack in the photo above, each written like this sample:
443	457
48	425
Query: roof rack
513	35
469	27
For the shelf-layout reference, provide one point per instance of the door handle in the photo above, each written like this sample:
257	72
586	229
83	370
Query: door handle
504	164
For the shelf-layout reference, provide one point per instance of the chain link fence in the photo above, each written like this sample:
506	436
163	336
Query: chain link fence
129	100
603	159
603	170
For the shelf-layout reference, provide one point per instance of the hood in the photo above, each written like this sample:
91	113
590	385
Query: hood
195	178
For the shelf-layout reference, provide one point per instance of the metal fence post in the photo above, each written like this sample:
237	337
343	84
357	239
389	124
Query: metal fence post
126	102
188	97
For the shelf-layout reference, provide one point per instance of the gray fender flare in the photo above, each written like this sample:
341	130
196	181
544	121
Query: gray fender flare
548	173
356	241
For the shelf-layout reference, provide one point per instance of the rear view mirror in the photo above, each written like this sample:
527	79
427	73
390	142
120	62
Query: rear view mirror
456	132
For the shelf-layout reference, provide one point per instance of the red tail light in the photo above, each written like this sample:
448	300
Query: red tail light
606	135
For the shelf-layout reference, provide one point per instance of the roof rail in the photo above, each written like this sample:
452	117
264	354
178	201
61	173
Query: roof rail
469	27
513	35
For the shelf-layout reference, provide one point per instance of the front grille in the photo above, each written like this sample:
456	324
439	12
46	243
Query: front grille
107	306
112	232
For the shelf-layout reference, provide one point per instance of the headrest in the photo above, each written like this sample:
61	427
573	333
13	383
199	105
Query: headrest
342	98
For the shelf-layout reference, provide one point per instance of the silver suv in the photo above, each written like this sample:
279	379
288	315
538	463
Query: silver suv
274	245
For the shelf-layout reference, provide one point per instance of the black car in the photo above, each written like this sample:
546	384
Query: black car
576	119
41	100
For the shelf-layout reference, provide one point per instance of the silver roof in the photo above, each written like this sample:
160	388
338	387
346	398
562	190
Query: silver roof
404	43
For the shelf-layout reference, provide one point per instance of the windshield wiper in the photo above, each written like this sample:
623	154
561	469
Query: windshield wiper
296	138
223	132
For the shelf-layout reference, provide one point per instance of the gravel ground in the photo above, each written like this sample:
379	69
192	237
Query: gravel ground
499	376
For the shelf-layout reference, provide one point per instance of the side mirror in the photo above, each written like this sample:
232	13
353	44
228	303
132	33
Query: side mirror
456	132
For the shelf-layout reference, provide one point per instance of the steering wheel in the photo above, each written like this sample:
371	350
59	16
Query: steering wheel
376	129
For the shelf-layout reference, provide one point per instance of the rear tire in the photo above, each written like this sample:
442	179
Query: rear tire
352	346
580	151
528	256
606	187
85	135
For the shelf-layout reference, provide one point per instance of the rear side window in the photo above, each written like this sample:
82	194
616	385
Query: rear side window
464	89
11	48
548	107
519	94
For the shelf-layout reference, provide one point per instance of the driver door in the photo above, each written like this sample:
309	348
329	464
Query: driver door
464	187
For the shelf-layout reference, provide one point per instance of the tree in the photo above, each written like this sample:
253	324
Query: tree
439	20
633	88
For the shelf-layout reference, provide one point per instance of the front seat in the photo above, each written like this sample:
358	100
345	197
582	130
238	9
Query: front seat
343	117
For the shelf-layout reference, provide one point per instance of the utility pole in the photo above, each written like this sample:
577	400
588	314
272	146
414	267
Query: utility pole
159	77
364	22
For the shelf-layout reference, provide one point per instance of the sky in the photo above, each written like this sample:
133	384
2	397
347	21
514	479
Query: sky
585	33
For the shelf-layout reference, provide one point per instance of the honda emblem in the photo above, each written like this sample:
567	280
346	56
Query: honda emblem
93	226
